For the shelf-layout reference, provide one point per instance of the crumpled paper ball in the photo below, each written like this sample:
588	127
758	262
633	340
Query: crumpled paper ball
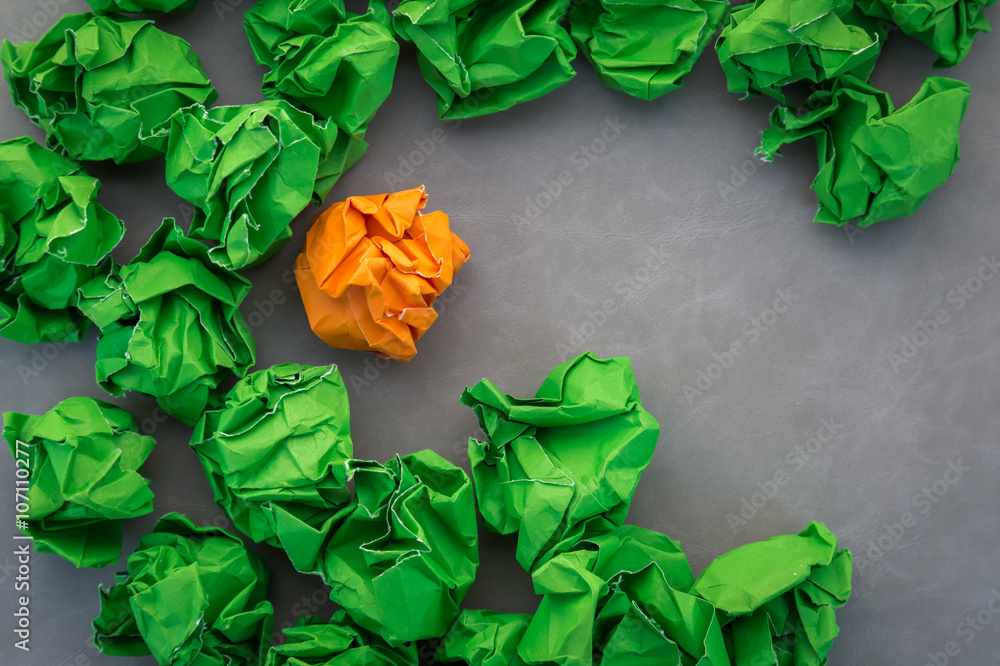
371	269
483	56
875	162
170	325
777	599
190	596
81	461
948	27
401	557
249	170
276	451
104	87
324	59
54	237
772	43
484	638
562	465
339	642
621	599
645	47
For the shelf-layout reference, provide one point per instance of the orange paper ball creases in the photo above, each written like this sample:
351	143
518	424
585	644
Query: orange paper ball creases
371	269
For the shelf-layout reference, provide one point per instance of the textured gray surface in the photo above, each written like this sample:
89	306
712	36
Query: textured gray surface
686	268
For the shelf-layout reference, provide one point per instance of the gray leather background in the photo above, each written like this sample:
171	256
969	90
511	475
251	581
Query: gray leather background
682	269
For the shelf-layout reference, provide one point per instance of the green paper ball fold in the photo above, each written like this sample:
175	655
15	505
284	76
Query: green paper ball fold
773	43
276	451
948	27
170	325
103	87
876	162
644	47
190	595
564	464
339	642
81	461
482	56
54	237
324	59
250	170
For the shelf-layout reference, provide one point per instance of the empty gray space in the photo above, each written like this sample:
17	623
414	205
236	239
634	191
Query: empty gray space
644	253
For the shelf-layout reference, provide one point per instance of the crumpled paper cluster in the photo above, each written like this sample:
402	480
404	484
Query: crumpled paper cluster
948	27
628	598
371	269
82	459
401	557
616	594
875	162
564	464
482	56
276	451
645	47
190	595
339	642
324	59
170	325
54	237
777	599
103	87
249	170
772	43
142	6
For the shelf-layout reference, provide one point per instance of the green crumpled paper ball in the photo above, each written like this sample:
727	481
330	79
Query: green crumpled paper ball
778	598
54	237
948	27
645	47
142	6
875	162
324	59
191	596
170	325
401	557
339	642
484	638
81	461
104	87
249	170
621	599
484	56
276	451
564	464
772	43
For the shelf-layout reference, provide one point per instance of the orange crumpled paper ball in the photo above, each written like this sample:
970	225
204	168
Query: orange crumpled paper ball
371	269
